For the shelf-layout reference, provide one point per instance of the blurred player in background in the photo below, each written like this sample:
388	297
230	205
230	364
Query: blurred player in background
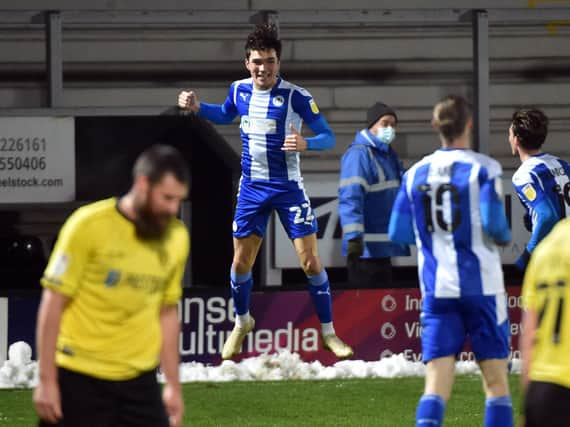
545	341
108	313
542	181
271	111
450	205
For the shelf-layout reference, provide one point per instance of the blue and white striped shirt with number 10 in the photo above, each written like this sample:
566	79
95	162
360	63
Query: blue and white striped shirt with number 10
450	205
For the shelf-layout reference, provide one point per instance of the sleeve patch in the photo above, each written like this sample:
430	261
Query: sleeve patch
529	191
59	267
314	107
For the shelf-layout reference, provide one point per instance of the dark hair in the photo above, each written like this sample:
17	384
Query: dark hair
264	37
530	127
159	160
450	115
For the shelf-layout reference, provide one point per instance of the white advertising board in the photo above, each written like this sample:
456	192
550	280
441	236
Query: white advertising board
37	159
322	189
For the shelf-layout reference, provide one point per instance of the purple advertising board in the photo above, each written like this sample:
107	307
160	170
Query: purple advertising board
376	323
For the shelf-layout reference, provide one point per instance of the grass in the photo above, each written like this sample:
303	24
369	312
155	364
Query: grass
354	402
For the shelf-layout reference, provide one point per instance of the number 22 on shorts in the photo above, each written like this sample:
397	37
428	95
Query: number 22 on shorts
303	214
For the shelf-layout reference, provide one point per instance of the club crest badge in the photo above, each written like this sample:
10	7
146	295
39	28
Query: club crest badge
278	101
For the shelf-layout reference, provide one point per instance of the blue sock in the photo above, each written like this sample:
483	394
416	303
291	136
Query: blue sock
498	412
241	290
320	290
430	411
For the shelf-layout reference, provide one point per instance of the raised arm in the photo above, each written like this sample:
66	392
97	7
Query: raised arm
188	100
324	138
219	114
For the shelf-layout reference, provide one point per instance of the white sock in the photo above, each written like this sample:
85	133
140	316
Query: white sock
242	319
327	328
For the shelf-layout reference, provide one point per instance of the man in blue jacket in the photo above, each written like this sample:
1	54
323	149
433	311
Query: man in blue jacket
370	175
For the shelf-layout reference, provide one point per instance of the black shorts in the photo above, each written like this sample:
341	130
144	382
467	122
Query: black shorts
92	402
547	404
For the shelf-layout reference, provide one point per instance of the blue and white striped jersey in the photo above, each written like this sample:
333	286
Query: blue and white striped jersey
542	183
265	119
450	204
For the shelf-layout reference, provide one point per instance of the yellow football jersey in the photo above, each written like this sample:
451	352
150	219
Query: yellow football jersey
546	290
116	284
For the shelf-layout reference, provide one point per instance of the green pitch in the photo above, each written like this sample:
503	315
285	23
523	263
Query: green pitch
366	402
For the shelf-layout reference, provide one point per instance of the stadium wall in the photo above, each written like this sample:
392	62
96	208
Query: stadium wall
346	67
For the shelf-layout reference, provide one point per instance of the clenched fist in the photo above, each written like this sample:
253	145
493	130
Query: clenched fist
188	100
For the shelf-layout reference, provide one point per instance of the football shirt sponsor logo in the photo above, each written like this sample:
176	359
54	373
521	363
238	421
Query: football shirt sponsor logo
258	126
113	277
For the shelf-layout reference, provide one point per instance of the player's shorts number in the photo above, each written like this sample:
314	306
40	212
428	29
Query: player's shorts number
439	206
303	214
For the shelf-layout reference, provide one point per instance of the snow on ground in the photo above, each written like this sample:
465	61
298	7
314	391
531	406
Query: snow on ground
19	371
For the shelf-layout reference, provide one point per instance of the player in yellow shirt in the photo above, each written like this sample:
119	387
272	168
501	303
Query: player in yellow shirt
546	331
108	314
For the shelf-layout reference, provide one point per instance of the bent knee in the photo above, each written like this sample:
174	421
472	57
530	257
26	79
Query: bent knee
311	265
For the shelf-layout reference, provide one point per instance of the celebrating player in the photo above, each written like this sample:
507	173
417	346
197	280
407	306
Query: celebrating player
271	111
450	206
542	181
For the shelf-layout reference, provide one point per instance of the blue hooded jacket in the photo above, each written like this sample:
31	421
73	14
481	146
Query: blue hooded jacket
370	176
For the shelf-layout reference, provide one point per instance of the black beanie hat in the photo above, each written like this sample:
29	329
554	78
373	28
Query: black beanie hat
378	110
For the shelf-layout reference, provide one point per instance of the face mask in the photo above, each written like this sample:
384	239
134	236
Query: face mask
386	135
